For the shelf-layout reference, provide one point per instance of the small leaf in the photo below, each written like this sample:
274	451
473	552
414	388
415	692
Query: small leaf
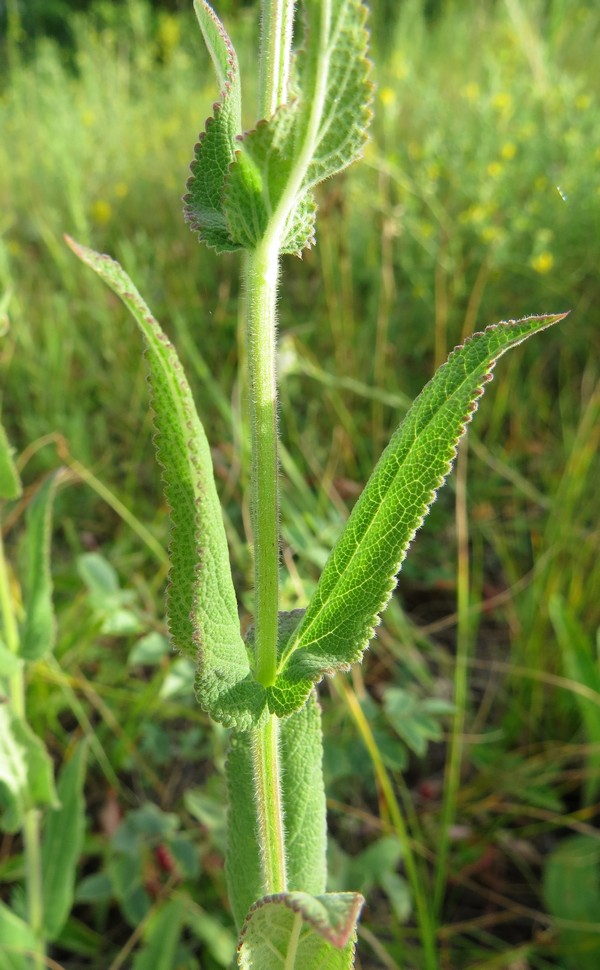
26	776
359	577
201	601
17	941
61	846
38	632
572	895
303	798
320	131
161	937
203	204
10	483
292	931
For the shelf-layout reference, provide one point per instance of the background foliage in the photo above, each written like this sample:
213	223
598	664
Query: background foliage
478	199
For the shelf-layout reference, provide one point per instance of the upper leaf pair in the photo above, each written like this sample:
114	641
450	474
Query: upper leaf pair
243	186
359	576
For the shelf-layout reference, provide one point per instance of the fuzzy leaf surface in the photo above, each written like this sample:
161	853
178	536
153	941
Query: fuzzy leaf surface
295	931
304	812
359	576
64	829
215	150
26	774
320	131
201	601
10	483
38	632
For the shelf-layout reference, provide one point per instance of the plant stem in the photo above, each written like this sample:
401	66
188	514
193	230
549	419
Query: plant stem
463	641
262	267
270	814
275	54
31	826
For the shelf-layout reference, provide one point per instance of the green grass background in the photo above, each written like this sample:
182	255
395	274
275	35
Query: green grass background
478	199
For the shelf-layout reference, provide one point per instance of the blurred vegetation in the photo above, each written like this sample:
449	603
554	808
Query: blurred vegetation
478	199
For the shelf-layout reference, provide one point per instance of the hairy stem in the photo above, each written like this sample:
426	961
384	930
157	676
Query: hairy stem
270	813
277	20
261	293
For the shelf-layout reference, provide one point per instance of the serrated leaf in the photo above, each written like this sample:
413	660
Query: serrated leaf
10	483
38	631
26	774
359	577
294	931
17	941
215	150
201	601
61	845
318	133
303	799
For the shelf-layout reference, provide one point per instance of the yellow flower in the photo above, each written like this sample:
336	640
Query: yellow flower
387	96
87	118
503	102
471	91
543	262
433	171
494	169
583	101
121	190
508	150
101	212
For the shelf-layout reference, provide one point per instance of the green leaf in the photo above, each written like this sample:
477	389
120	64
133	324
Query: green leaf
38	632
581	666
162	937
203	204
359	577
293	931
16	941
572	894
26	776
10	483
304	811
318	133
61	845
201	601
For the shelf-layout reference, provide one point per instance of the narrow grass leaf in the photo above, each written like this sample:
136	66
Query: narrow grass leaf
215	150
359	576
201	601
10	483
26	774
17	941
61	845
304	811
292	931
318	133
38	632
162	937
581	666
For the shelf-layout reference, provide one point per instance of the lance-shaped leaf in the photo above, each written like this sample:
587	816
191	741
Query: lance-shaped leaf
201	601
26	775
293	931
319	132
64	829
38	631
17	941
10	483
304	811
359	576
203	204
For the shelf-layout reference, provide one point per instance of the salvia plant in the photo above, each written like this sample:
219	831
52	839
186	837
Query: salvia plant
254	192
